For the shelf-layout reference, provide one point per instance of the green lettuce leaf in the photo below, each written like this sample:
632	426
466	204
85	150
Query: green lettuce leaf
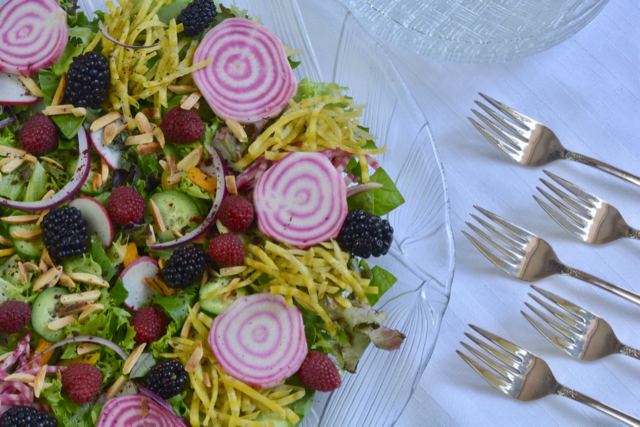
309	89
379	201
118	294
98	254
37	186
68	412
8	137
381	279
177	305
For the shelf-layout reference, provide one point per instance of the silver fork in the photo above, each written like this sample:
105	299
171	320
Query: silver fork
583	335
585	216
531	143
523	375
528	257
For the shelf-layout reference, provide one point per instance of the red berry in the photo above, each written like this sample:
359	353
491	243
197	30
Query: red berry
318	372
236	213
14	315
38	135
81	382
182	126
150	325
126	205
226	250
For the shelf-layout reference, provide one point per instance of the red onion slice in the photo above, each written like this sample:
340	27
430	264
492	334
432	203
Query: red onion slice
259	340
69	190
250	78
119	43
301	200
33	35
127	411
160	401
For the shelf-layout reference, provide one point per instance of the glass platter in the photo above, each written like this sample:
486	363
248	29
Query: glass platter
337	48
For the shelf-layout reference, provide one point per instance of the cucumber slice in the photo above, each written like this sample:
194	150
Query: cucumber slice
214	304
44	311
31	249
177	211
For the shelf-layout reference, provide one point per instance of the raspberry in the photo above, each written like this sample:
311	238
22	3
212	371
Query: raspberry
14	315
26	416
318	372
182	126
226	250
126	205
167	379
236	213
150	325
38	135
81	382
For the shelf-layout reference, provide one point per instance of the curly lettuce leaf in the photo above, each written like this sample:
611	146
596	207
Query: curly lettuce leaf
66	411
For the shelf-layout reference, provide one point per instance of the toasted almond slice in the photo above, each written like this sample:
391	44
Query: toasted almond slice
190	160
80	297
165	166
143	138
110	132
29	158
205	278
49	194
57	98
161	262
152	113
152	236
155	214
237	129
93	308
42	215
230	271
182	89
116	387
42	265
44	257
195	358
151	283
29	267
66	281
79	112
85	348
133	358
144	407
206	380
23	273
7	160
58	110
175	178
73	308
143	123
171	160
51	161
26	234
96	182
230	181
7	151
150	148
7	252
20	219
105	120
104	170
59	374
38	381
191	101
159	135
12	165
89	279
5	241
176	232
20	378
32	86
62	322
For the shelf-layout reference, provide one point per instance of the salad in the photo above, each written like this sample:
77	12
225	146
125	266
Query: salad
184	227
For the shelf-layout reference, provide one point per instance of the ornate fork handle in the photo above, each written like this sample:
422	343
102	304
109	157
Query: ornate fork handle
612	412
630	351
602	284
589	161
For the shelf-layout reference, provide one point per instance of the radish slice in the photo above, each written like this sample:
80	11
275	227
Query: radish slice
69	190
133	280
127	389
250	78
218	169
118	42
110	153
98	221
14	92
127	411
33	35
301	200
259	340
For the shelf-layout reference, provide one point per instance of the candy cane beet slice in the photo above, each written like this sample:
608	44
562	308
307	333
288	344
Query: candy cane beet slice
250	77
301	200
33	35
259	340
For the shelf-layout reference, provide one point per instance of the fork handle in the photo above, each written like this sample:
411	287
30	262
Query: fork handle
630	351
603	284
612	412
570	155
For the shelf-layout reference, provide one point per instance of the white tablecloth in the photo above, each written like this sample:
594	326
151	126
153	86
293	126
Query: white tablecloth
587	90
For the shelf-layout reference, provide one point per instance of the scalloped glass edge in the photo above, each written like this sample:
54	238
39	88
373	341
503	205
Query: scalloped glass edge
354	58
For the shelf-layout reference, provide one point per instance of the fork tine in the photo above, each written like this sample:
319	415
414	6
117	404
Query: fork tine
563	329
567	305
497	261
513	241
578	217
510	112
491	363
518	231
561	220
562	315
504	358
491	378
580	206
507	124
504	134
510	151
512	255
502	343
574	189
554	339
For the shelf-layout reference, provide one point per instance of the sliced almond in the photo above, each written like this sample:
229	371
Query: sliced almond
153	147
96	182
32	86
143	138
79	111
51	161
190	160
26	234
151	283
49	194
23	273
12	165
59	375
152	113
57	98
20	219
42	215
206	380
176	232
7	252
230	181
143	123
159	135
62	322
29	158
73	308
152	236
57	110
182	89
205	278
157	218
237	129
89	279
230	271
191	101
20	378
29	267
175	178
67	281
38	381
7	151
110	132
195	358
104	170
171	161
47	258
79	297
48	279
104	120
85	348
164	165
93	308
3	162
116	387
133	358
144	407
5	241
161	262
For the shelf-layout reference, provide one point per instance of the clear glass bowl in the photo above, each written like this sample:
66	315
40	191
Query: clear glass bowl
337	48
475	30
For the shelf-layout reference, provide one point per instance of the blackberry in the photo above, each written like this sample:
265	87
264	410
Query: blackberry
364	234
197	17
167	379
26	416
185	266
65	233
88	80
